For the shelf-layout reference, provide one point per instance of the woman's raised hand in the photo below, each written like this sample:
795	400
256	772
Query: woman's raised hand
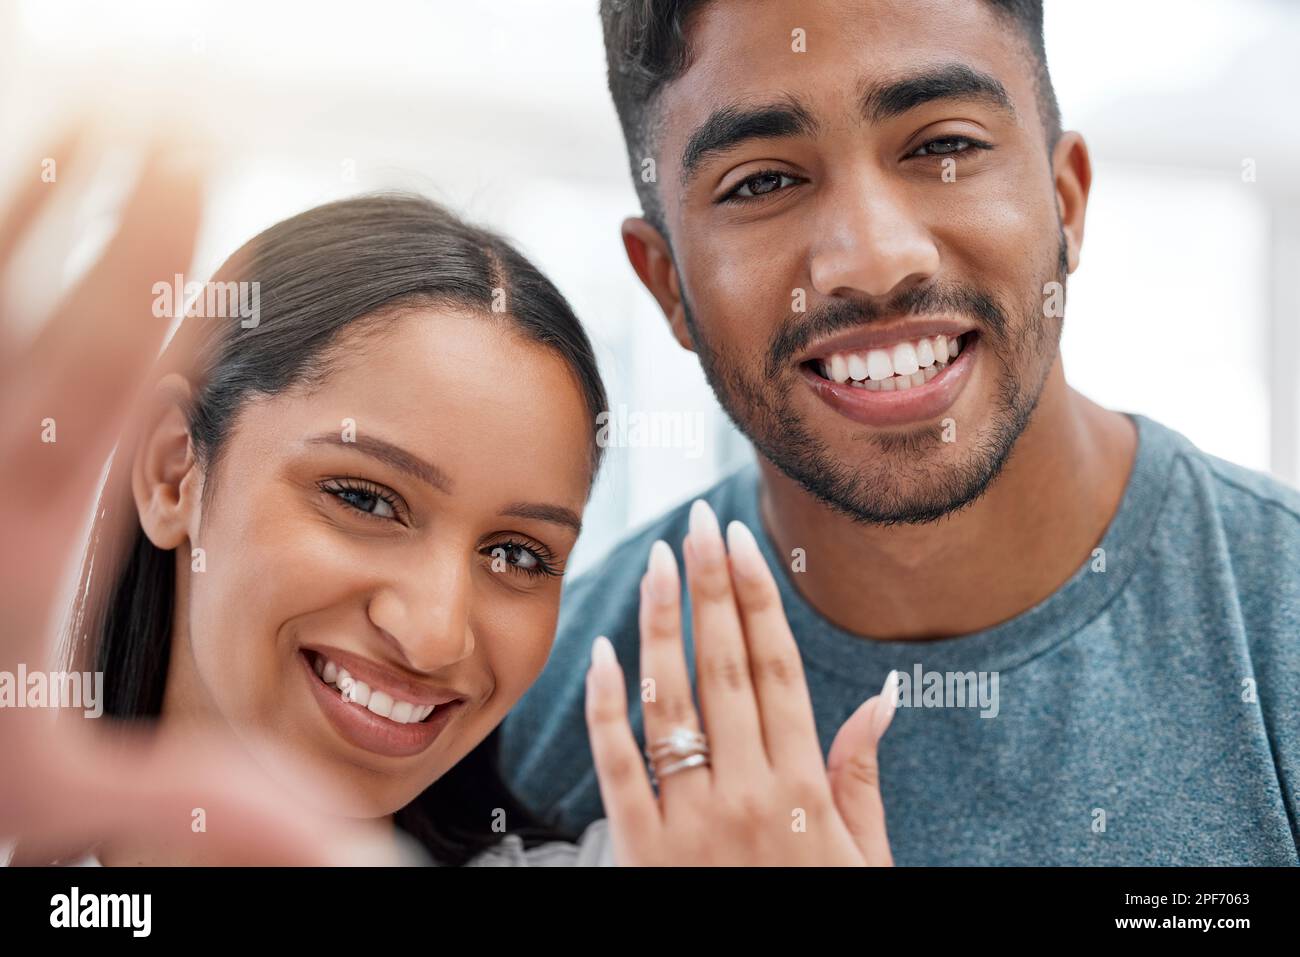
65	397
762	794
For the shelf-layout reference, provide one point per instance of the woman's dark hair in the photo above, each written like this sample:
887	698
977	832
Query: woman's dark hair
358	260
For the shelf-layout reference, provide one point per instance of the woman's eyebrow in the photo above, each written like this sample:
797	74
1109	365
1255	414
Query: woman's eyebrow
555	514
389	454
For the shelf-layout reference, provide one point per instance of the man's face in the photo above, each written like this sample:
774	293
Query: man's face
839	216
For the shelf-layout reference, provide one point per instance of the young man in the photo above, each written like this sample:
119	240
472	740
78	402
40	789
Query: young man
860	215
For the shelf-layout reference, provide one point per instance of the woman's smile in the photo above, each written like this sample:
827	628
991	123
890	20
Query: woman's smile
385	714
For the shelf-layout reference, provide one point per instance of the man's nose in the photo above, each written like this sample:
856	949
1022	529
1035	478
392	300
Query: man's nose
426	611
870	241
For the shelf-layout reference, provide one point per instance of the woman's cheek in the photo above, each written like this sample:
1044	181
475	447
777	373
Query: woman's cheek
515	646
252	584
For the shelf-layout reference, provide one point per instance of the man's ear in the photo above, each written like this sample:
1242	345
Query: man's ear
652	258
1072	170
165	480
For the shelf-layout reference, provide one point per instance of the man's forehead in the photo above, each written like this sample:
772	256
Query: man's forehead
744	51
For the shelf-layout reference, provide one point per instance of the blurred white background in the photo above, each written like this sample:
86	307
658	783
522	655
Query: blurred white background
1185	308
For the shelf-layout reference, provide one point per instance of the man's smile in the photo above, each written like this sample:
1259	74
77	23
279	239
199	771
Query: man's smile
909	380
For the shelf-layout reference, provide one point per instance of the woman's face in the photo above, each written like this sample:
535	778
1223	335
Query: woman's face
401	523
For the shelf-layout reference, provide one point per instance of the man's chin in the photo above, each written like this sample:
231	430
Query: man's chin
916	475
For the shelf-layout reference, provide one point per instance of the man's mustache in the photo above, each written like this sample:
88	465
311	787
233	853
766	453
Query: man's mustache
837	315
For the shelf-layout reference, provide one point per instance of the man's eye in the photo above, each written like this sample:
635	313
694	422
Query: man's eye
760	184
947	145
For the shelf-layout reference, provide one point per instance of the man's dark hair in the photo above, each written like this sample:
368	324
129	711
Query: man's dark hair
646	48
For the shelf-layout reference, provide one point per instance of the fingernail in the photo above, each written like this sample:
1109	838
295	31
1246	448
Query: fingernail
661	574
602	653
705	532
888	705
746	559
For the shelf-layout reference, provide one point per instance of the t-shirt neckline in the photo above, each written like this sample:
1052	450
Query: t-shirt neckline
1011	643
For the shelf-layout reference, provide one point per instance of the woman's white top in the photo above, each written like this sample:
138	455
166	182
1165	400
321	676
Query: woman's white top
592	850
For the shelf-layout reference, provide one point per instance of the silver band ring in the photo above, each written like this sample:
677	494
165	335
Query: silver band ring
682	748
694	761
680	743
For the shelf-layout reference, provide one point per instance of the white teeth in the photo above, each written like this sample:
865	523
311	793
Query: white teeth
924	354
858	367
871	385
376	701
887	385
380	703
902	383
904	359
918	362
360	693
879	365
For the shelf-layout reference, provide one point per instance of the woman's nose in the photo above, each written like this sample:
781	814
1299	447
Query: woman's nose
426	612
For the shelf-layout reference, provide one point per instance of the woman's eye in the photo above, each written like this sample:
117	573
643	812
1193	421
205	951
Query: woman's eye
522	559
760	184
519	556
371	501
365	502
947	145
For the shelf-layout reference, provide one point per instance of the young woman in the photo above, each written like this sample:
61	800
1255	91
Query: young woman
338	530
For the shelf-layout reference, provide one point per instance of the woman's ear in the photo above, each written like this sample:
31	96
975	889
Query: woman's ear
165	480
652	258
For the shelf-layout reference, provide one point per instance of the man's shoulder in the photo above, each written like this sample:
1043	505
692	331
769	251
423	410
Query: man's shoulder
1242	498
1233	531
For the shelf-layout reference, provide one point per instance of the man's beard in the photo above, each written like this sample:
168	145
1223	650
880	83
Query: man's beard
906	486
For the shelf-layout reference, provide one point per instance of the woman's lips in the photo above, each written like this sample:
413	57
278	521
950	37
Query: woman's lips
363	728
898	408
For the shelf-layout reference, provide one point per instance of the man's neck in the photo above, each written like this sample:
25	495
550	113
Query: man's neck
1032	529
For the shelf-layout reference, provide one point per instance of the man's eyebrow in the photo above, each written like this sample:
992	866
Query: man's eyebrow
389	454
884	100
555	514
728	126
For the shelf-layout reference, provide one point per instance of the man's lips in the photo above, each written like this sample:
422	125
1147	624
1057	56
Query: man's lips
897	407
885	335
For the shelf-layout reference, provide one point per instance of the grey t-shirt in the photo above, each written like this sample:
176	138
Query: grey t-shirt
1146	713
